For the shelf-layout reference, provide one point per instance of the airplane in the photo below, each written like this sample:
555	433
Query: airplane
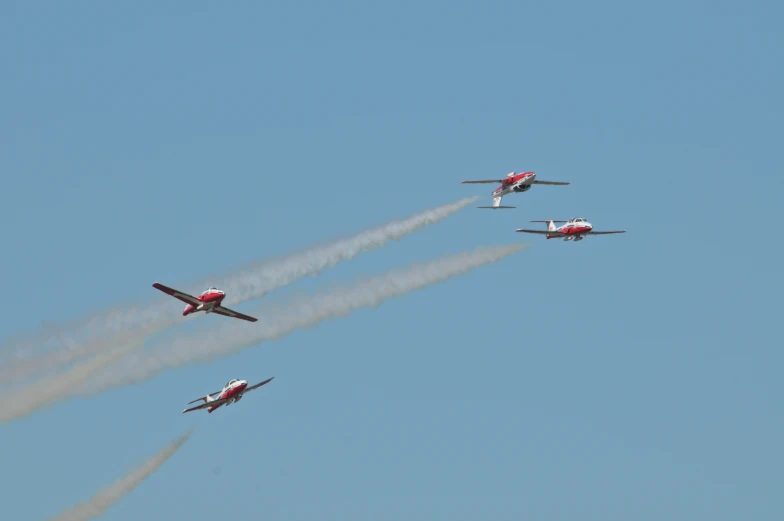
577	229
232	393
209	302
513	183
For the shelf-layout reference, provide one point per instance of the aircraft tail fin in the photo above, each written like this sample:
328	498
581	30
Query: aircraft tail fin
550	224
207	399
496	204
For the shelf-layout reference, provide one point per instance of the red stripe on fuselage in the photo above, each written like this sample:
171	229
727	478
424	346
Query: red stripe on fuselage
234	391
212	297
229	393
575	230
209	297
510	181
571	230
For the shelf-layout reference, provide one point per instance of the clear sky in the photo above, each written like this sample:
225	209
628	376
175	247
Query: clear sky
632	376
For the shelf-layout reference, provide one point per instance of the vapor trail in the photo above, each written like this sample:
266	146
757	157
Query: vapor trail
100	503
131	323
300	313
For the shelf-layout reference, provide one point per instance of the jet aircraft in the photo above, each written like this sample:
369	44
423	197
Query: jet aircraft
232	393
575	229
513	183
209	302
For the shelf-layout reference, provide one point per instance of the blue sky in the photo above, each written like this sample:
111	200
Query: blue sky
623	376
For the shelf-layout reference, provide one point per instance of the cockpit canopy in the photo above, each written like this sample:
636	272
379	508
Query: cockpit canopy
210	290
231	382
577	220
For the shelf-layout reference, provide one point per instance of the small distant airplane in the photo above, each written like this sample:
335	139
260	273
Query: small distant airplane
513	183
576	229
232	392
209	302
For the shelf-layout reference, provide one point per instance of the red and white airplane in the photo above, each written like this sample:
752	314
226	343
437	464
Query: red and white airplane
232	393
209	302
513	183
576	229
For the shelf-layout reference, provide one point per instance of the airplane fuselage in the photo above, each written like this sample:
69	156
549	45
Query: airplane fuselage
235	391
232	392
516	184
208	301
573	231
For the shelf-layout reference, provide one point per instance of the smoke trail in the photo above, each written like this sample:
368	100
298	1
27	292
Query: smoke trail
253	281
301	313
24	368
21	402
100	503
226	338
257	280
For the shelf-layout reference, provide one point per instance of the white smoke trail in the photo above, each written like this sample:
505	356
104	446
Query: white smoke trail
258	279
226	338
301	313
103	500
26	367
255	280
21	402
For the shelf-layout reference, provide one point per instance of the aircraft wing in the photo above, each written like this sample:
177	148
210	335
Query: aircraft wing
537	182
226	312
218	402
257	385
605	233
482	181
541	232
179	295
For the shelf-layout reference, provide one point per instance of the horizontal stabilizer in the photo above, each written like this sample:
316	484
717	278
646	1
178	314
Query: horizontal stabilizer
203	397
549	221
215	403
540	232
